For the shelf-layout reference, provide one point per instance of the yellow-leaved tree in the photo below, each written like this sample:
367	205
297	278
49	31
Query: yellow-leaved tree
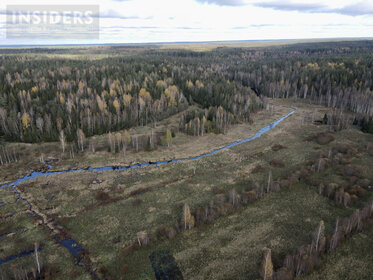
127	137
266	270
168	137
187	219
26	120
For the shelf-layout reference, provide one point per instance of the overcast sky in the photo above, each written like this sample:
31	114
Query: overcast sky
135	21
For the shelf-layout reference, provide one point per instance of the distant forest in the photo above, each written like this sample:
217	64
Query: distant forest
101	89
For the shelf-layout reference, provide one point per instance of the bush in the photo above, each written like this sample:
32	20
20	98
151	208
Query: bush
217	190
136	201
127	250
257	169
124	269
277	163
102	196
165	232
249	196
102	269
367	126
277	147
324	138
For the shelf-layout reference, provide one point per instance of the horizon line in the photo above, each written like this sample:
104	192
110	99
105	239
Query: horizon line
190	42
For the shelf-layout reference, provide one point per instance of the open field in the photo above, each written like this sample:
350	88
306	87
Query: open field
103	212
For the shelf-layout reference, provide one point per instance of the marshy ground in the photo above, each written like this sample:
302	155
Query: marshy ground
104	211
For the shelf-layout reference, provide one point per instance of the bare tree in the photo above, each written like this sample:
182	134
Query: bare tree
81	139
142	238
62	141
320	236
37	256
269	182
40	124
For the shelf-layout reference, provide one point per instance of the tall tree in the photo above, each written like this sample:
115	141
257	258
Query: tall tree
62	141
168	137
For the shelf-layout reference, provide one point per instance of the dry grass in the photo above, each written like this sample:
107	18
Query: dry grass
228	248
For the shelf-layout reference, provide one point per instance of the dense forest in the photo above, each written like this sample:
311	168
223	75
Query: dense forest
44	94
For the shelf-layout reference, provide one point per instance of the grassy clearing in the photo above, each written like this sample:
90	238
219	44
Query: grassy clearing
182	146
228	248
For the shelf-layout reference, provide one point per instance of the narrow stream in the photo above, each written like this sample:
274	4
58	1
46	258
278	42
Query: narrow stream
70	244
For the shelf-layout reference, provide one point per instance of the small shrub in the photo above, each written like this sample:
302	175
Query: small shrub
124	269
249	196
324	138
275	187
284	183
136	201
330	189
165	232
312	181
277	163
367	126
277	147
102	196
364	183
127	250
220	198
102	269
257	169
303	173
217	190
258	155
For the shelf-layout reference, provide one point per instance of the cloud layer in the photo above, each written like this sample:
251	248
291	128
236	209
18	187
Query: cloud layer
356	9
224	2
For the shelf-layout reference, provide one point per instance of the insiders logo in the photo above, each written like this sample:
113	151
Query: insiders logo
52	22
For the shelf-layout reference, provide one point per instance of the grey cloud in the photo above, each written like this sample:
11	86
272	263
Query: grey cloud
292	6
188	28
114	14
224	2
255	26
129	27
102	14
358	9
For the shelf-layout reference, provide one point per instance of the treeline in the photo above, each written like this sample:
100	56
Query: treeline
40	95
199	122
309	257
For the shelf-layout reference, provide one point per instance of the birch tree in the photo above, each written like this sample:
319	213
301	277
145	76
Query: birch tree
187	219
81	139
37	257
62	141
267	266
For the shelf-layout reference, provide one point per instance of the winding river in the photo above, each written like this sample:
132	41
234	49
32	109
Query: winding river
70	244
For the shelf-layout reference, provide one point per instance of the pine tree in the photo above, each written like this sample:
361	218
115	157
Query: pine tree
149	145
